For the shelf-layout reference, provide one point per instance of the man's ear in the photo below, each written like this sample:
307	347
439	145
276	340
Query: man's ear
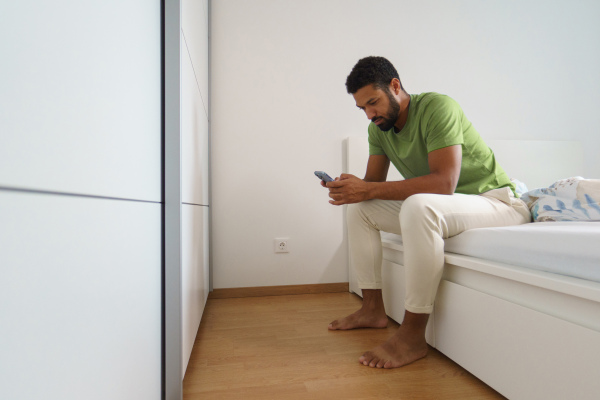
395	86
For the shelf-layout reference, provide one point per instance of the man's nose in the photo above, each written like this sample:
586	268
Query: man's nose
370	113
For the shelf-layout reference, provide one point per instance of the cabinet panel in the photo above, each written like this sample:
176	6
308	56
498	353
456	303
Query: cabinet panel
80	298
80	97
194	136
194	279
194	23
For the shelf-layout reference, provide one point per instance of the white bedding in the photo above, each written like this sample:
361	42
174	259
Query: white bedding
565	248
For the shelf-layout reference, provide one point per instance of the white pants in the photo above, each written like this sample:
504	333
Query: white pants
423	220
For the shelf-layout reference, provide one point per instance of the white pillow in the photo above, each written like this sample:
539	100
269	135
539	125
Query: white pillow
520	187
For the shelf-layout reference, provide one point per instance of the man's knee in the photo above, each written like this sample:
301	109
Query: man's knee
418	203
359	213
419	208
355	213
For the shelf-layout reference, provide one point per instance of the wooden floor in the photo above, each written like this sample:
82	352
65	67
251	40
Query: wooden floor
278	347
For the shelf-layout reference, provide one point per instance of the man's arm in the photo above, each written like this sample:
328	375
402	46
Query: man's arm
377	168
444	171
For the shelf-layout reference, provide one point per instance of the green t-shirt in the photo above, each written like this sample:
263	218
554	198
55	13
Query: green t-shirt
436	121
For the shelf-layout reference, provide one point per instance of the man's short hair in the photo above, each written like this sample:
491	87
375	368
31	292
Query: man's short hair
376	71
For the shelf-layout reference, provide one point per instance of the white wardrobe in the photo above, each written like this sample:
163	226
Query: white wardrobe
82	226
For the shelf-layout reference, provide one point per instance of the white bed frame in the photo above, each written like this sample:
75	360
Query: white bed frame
528	334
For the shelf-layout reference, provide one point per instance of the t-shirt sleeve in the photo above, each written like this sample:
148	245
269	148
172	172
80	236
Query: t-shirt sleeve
375	147
443	119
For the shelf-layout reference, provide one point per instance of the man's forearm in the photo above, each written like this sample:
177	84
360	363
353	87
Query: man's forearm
400	190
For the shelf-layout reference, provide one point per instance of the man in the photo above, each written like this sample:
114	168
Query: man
452	183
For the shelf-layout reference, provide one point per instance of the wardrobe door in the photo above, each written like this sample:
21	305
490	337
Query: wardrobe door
80	298
80	200
80	97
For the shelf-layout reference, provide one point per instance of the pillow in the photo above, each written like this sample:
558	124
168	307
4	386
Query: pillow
520	187
571	199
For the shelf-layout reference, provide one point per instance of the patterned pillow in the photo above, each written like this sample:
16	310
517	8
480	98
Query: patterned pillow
571	199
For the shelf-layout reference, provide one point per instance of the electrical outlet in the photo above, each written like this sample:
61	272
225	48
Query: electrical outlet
282	245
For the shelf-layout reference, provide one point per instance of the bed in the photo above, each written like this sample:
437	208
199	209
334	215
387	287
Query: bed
518	307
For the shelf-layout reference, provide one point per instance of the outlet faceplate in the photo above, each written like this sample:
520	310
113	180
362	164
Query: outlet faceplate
282	245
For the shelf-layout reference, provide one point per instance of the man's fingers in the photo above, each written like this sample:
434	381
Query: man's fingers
335	184
341	181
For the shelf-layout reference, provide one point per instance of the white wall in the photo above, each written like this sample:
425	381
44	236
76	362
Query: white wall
80	202
194	169
521	70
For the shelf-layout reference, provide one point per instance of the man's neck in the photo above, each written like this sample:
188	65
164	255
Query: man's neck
403	117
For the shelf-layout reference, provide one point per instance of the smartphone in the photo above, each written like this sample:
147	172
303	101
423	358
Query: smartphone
323	176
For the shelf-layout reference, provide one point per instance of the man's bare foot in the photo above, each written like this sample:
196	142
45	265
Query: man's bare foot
360	319
371	314
401	349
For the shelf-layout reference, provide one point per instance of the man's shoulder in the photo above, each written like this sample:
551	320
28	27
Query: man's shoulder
433	99
435	106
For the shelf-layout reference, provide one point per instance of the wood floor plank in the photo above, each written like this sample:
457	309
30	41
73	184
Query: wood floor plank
278	347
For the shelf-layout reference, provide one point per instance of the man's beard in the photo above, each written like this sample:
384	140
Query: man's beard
393	112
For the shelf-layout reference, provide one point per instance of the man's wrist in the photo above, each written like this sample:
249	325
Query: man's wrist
371	190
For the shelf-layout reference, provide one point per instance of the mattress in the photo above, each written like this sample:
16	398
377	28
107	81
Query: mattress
564	248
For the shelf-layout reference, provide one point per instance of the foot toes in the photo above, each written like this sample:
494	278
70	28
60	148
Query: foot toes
371	360
376	363
366	358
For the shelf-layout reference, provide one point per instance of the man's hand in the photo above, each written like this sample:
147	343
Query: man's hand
348	189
